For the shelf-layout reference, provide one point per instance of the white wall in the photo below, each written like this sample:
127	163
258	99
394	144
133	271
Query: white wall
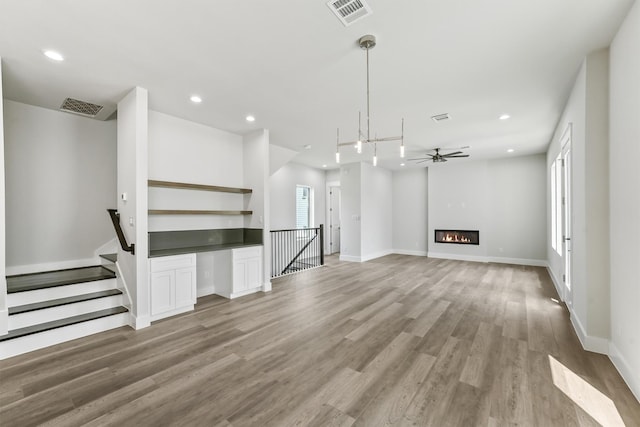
60	179
587	112
4	313
132	180
256	177
184	151
504	199
410	212
282	190
333	175
350	214
516	205
625	198
278	157
377	218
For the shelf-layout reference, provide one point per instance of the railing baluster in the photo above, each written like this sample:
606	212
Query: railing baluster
296	249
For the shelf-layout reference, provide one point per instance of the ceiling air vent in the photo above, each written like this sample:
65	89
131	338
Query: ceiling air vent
83	108
441	117
349	11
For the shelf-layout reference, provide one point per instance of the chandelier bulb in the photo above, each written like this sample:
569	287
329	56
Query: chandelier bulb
402	151
337	157
375	160
359	146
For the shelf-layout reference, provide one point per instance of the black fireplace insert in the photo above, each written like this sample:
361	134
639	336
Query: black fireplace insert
459	237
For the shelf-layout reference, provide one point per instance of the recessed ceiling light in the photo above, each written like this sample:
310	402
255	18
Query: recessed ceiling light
504	117
401	164
510	150
324	166
307	147
51	54
196	99
251	119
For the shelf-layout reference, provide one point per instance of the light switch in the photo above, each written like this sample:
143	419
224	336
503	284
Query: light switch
131	221
124	197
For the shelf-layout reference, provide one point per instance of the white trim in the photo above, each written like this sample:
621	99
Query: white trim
25	344
500	260
124	288
46	294
139	322
406	252
590	343
203	292
375	255
266	287
350	258
51	266
624	369
555	281
4	321
472	258
245	292
327	218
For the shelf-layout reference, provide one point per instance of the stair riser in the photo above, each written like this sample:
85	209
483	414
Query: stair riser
40	340
17	321
29	297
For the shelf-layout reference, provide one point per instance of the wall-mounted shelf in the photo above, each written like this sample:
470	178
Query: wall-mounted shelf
202	187
195	212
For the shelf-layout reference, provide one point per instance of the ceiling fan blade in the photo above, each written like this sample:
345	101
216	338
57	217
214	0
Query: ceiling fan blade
422	161
452	154
462	155
420	158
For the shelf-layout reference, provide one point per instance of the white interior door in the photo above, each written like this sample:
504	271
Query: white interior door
566	215
334	220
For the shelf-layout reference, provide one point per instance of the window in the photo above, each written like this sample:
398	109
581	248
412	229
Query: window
304	206
556	205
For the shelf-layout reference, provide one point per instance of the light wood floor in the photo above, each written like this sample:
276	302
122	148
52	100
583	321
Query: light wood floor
398	340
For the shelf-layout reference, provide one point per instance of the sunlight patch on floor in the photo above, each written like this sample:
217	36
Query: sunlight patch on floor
583	394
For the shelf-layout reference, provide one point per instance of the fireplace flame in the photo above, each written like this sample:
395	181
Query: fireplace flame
455	238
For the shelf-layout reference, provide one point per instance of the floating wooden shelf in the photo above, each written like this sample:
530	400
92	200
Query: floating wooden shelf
195	212
186	186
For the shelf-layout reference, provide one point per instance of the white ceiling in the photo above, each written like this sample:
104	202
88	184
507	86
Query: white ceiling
295	67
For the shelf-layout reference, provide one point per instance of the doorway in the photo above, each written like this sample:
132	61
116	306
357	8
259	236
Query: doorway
566	213
334	219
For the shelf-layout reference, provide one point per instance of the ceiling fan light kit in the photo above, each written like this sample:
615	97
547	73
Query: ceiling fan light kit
440	158
368	42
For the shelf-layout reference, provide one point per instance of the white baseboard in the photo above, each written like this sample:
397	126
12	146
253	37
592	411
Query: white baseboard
589	343
4	322
473	258
406	252
500	260
266	287
375	255
139	322
625	370
518	261
209	290
51	266
556	283
350	258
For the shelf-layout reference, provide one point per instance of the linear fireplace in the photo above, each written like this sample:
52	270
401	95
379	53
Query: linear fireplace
460	237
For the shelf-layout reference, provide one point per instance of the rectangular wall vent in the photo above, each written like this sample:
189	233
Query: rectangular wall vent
83	108
441	117
349	11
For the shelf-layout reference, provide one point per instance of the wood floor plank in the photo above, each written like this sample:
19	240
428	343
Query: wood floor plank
399	340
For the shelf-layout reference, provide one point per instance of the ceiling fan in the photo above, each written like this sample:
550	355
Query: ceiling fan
438	158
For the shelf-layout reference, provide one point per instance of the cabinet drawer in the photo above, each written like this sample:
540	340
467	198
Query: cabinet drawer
172	262
245	253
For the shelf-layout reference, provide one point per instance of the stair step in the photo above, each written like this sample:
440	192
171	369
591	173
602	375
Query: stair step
62	301
49	279
110	257
43	327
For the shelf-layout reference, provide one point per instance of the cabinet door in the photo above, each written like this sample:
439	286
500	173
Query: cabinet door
162	292
252	274
185	287
239	275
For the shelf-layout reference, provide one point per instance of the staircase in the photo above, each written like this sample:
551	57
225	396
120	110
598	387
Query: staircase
56	306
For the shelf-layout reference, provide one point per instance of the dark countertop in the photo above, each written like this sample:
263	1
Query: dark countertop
166	243
196	249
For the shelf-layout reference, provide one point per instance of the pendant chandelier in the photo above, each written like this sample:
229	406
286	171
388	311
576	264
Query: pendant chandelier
368	42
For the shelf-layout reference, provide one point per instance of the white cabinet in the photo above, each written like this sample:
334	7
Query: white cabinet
173	285
238	272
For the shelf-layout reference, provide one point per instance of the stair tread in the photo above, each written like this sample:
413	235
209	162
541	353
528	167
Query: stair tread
62	301
29	330
110	257
49	279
